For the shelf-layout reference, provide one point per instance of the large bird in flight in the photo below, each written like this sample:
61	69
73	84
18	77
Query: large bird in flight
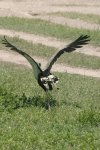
43	76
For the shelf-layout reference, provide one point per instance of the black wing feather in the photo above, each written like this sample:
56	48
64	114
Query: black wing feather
82	40
29	58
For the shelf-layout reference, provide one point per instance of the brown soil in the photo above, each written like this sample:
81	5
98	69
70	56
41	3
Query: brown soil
38	9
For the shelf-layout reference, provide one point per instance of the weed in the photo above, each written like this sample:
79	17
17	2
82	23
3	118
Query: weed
89	116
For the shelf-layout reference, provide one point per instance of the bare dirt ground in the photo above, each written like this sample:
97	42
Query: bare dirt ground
39	9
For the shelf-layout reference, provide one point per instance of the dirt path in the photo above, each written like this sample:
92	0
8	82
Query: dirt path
11	57
49	41
43	6
28	7
18	59
74	23
35	11
57	2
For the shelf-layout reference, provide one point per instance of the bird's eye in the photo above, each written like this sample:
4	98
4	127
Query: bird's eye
56	80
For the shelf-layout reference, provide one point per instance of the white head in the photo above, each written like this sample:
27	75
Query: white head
50	79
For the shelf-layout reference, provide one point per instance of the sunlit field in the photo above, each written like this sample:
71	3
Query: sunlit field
73	123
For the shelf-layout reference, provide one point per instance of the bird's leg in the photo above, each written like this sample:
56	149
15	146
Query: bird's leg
56	86
48	100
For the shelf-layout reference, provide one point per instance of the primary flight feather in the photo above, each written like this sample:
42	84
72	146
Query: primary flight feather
82	40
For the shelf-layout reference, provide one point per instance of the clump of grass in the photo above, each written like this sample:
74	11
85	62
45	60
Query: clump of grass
89	117
10	102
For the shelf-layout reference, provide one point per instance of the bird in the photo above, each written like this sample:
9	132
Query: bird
43	75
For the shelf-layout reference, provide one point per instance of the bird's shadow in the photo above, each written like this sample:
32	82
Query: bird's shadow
37	101
12	102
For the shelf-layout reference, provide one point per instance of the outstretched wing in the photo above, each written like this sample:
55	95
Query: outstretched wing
82	40
34	65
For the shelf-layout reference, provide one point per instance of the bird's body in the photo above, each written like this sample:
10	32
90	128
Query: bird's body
43	76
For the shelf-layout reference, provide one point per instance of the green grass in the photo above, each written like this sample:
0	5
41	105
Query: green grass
91	18
70	59
74	119
72	122
87	89
46	28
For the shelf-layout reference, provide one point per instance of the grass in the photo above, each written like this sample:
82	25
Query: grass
73	121
74	118
71	59
91	18
46	28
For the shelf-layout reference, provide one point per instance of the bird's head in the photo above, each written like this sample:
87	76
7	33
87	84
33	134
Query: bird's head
51	79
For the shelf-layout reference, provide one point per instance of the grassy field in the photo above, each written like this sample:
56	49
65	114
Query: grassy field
73	121
46	28
70	59
91	18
